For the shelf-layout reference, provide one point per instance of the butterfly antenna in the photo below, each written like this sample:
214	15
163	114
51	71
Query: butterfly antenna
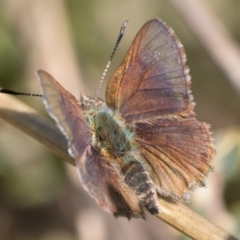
6	91
122	30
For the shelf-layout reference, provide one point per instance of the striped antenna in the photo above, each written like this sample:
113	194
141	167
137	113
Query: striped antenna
122	30
6	91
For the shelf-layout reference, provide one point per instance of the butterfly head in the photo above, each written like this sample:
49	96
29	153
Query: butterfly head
90	104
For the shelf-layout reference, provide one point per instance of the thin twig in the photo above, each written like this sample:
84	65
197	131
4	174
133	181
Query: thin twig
213	36
30	122
190	223
177	215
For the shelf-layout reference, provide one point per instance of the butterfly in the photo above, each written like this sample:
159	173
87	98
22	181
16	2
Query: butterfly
144	141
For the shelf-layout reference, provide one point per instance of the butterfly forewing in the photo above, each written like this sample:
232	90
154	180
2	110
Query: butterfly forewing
63	107
152	81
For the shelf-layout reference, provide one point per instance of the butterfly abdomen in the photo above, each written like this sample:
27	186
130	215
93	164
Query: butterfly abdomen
138	179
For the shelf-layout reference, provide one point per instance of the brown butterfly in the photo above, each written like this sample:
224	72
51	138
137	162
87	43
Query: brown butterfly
145	140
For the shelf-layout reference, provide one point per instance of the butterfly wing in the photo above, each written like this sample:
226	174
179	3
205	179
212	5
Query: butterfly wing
178	153
105	182
100	179
151	90
63	107
152	80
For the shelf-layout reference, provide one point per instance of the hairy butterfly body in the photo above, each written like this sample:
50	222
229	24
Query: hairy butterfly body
145	140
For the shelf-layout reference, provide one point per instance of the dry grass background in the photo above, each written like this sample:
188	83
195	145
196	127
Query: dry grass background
40	196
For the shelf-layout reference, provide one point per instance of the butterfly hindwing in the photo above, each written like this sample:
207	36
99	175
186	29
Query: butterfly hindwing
106	184
179	153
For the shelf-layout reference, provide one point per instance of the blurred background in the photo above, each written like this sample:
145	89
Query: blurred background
40	195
